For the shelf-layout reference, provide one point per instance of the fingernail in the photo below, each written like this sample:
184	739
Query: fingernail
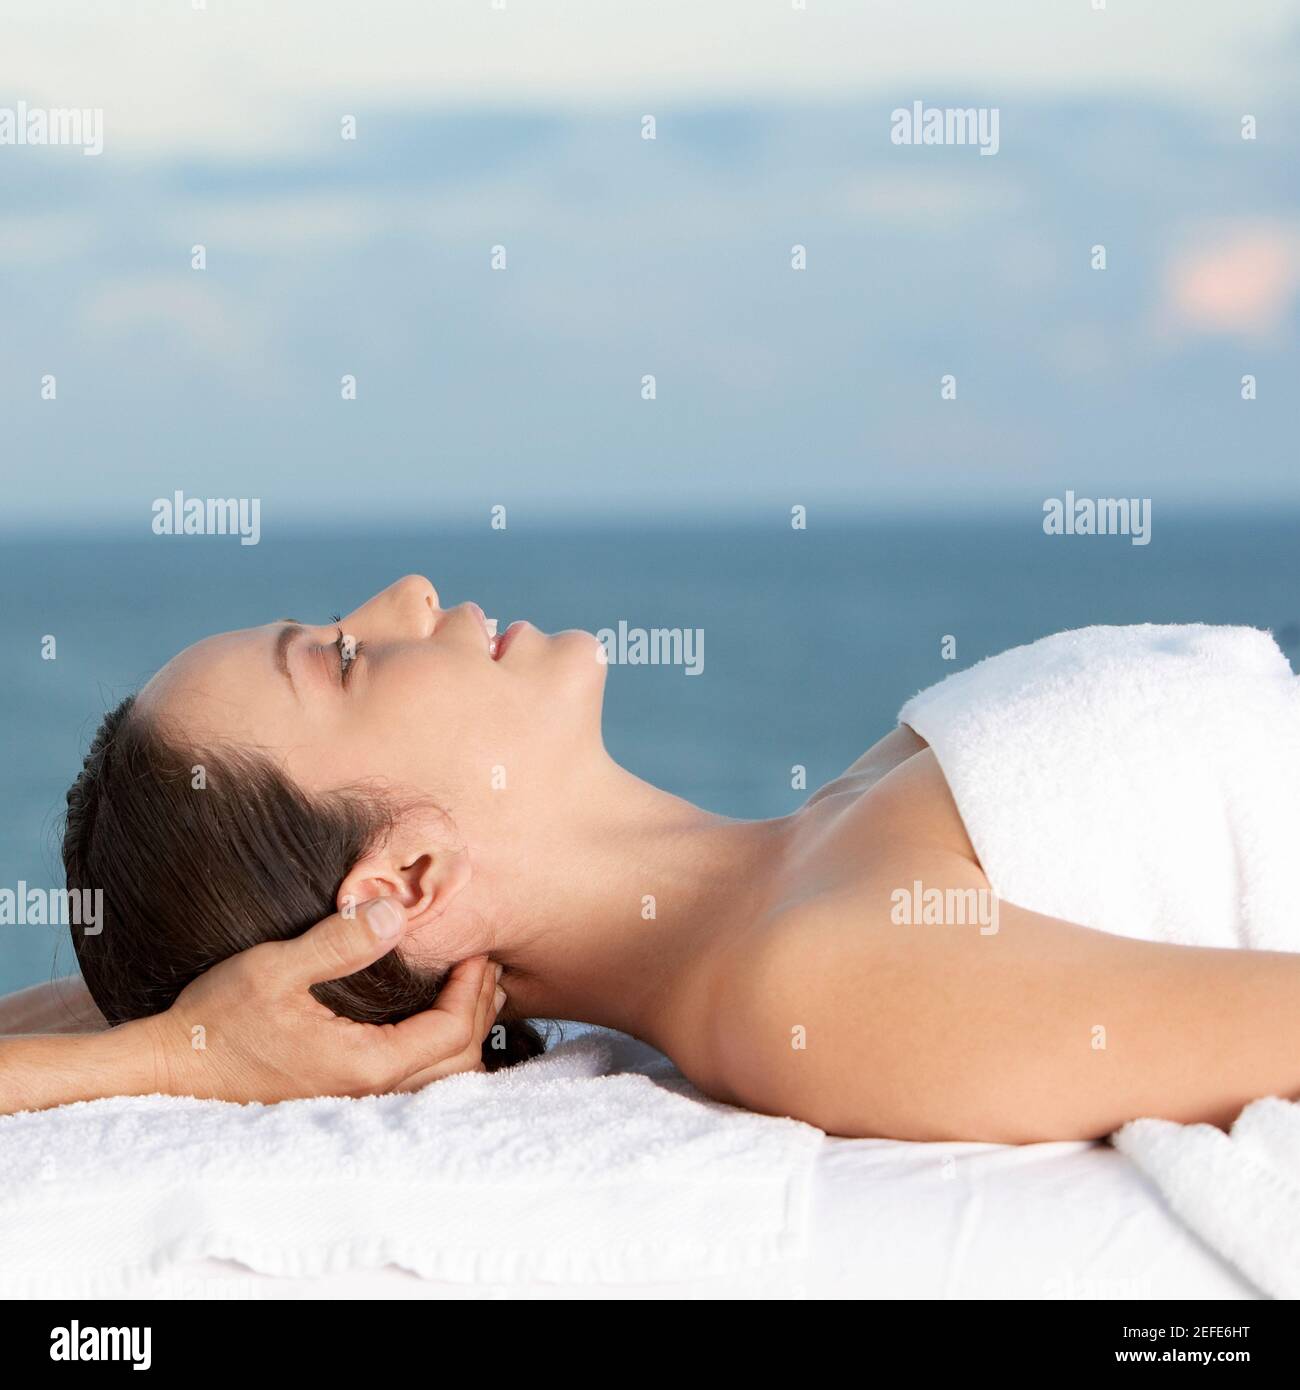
500	998
499	969
385	918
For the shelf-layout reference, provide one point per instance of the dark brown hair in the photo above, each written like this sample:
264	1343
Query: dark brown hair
202	853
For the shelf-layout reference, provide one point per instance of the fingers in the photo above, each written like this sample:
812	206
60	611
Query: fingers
456	1023
487	1005
340	945
462	992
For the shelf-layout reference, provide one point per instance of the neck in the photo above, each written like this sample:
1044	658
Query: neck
632	907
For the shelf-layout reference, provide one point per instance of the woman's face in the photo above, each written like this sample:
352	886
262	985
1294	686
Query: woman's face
412	700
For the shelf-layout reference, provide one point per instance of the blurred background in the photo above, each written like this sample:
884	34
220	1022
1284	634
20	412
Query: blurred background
480	126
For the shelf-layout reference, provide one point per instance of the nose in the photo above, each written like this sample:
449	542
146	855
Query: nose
406	609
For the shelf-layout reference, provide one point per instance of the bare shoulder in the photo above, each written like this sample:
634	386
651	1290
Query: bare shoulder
813	1000
789	1015
809	1021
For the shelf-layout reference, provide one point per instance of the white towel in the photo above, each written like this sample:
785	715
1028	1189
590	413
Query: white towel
555	1170
1240	1193
1143	781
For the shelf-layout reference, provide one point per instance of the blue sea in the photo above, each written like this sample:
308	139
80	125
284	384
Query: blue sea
812	639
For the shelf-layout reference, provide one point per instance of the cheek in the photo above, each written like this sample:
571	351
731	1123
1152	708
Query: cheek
442	726
448	727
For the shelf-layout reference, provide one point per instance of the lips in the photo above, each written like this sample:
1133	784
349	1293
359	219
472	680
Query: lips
496	644
499	644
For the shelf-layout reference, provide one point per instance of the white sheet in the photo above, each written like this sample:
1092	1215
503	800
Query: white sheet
473	1179
885	1220
890	1220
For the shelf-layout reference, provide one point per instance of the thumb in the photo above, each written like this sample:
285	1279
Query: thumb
341	945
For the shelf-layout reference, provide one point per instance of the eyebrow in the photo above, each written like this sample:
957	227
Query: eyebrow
283	641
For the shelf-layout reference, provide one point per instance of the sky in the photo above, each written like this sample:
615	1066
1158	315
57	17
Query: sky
521	128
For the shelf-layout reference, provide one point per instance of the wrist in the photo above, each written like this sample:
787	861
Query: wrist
141	1054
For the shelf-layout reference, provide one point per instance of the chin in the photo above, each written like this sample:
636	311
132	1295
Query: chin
567	667
584	652
580	659
577	643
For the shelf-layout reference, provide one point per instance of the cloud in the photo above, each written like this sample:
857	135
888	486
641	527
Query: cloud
928	201
252	81
179	311
282	225
39	239
1241	280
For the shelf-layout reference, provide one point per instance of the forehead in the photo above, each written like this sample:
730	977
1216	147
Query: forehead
226	686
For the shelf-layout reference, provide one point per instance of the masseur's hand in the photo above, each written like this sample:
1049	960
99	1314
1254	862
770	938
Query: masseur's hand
249	1030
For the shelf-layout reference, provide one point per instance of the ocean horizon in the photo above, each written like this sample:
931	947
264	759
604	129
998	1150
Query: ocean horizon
806	643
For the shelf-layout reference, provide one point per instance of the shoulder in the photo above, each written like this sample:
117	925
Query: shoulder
807	1009
808	1021
784	1023
815	999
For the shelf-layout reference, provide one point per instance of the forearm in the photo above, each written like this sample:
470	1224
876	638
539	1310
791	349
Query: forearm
40	1072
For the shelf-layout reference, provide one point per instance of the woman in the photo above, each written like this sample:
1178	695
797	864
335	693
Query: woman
267	775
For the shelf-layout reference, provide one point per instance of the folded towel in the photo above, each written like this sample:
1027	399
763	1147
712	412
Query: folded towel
1240	1193
570	1168
1144	781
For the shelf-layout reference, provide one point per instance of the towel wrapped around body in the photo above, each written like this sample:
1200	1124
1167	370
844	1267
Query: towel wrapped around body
1143	780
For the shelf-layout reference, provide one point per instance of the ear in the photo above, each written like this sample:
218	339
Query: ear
425	879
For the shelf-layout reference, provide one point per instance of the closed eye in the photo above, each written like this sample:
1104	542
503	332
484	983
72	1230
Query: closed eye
349	649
